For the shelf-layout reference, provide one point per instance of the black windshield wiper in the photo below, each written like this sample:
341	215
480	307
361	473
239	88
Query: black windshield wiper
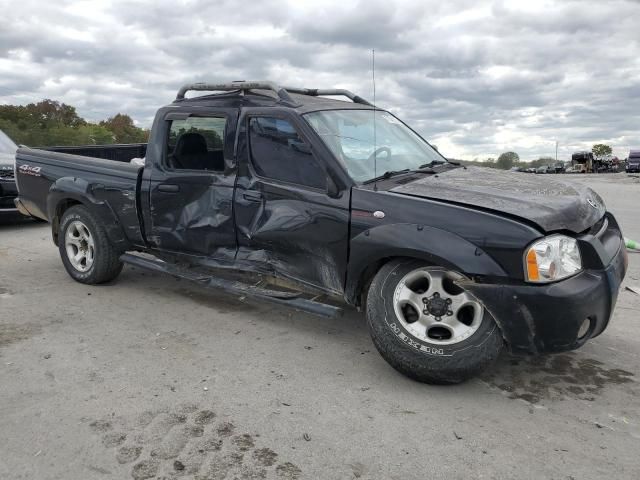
432	163
393	173
387	174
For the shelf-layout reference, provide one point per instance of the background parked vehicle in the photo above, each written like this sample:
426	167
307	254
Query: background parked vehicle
8	189
633	162
577	168
584	158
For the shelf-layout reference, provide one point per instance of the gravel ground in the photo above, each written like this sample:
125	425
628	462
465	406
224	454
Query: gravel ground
152	378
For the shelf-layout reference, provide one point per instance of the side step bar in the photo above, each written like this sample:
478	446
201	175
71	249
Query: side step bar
289	299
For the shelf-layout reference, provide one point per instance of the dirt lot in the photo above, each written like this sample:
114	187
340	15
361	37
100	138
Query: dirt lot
151	378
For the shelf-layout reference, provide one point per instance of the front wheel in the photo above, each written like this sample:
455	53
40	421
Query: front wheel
428	327
85	249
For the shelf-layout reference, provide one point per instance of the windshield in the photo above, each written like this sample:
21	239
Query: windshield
6	145
349	134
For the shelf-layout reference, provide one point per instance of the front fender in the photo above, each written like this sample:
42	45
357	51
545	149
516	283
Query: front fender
78	190
433	245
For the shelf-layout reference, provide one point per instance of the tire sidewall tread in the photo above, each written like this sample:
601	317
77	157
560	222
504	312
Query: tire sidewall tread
424	361
106	264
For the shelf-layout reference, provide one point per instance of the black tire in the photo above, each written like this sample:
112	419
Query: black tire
424	361
106	263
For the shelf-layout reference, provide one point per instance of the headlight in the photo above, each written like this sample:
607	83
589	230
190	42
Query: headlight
552	258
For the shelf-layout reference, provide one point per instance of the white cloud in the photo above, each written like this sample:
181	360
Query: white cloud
476	78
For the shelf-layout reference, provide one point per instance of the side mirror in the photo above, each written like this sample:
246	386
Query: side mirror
332	189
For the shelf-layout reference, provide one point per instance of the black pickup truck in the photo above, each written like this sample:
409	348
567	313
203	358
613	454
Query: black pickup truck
313	202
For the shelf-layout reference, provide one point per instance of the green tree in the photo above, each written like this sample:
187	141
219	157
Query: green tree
49	112
49	123
11	129
507	160
542	161
601	150
44	123
124	129
43	114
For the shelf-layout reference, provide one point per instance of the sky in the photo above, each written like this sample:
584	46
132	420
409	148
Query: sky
476	78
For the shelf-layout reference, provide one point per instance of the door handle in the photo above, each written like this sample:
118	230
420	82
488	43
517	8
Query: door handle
252	196
168	187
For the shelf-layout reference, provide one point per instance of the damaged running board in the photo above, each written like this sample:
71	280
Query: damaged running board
286	298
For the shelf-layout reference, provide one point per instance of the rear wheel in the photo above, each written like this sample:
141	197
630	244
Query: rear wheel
427	326
85	249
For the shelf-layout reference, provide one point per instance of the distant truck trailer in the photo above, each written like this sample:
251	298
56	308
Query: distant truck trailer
633	162
582	162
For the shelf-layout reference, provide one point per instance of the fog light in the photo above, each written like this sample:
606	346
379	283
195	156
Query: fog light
584	329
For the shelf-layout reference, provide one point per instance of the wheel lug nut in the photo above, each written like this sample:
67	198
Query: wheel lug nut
425	311
438	319
448	301
449	312
425	300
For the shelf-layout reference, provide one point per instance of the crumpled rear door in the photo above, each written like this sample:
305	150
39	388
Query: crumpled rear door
191	210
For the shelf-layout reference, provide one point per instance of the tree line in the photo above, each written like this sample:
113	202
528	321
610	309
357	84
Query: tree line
509	160
49	123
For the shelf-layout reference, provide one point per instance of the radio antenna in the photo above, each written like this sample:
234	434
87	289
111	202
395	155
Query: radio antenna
375	146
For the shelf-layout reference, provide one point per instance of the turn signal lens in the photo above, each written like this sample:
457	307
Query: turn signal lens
552	258
533	275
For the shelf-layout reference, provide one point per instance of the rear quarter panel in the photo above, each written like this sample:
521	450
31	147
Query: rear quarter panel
46	180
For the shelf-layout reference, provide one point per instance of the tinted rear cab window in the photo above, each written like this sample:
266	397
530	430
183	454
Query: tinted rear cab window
196	144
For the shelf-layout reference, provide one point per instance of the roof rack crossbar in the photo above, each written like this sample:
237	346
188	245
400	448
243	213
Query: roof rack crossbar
315	92
228	87
282	92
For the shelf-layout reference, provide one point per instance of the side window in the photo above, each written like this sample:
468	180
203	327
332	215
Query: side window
278	152
196	144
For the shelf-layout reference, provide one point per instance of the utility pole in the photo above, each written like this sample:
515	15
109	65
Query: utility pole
556	151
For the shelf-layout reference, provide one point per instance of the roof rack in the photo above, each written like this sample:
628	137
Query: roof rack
315	92
282	92
228	87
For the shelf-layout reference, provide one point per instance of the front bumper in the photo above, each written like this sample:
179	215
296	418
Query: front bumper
548	318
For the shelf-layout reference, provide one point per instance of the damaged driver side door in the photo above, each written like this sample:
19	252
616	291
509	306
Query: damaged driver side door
290	217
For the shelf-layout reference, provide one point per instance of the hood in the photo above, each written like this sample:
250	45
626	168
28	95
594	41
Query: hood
547	201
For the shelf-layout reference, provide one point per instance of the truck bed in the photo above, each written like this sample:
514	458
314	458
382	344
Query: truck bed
48	179
118	152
